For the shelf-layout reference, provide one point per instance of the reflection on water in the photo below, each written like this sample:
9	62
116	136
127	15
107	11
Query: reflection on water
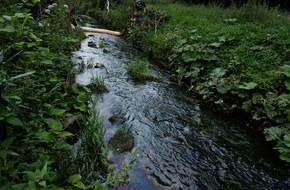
181	145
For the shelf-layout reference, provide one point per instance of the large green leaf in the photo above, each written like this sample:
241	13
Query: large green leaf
248	85
14	121
54	124
218	72
189	57
8	28
74	178
274	133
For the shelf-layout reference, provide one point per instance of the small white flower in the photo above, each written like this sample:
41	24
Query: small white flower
40	24
54	4
65	6
47	11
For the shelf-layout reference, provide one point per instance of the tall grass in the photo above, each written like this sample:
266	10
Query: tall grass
92	153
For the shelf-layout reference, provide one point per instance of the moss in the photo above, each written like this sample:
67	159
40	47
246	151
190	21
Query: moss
121	141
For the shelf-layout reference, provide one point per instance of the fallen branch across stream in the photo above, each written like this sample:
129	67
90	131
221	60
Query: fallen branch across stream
99	30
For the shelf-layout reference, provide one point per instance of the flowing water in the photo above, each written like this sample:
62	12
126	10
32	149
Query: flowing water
181	144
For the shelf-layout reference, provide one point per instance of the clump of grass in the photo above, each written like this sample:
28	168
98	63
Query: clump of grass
97	84
92	152
101	43
121	141
138	70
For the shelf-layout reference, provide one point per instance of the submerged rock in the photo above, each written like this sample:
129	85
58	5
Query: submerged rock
92	44
121	141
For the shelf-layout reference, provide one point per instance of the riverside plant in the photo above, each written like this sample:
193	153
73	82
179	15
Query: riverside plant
36	96
98	84
138	70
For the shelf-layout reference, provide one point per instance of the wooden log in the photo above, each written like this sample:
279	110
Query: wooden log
99	30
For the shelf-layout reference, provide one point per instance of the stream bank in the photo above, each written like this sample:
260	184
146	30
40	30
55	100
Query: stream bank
181	144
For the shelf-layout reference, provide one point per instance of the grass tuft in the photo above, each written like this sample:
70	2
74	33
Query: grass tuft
138	70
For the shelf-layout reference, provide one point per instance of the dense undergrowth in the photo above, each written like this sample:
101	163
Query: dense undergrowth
43	112
237	58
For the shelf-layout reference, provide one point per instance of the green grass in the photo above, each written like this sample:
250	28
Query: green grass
98	84
138	70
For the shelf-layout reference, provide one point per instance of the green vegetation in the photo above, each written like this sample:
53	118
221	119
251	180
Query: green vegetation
97	84
138	70
42	111
237	58
121	141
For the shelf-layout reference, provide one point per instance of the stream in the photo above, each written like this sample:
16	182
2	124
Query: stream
181	144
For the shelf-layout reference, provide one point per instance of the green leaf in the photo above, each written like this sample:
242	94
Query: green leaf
285	69
287	83
187	57
55	125
274	133
218	72
223	89
248	85
6	143
1	56
53	187
3	154
81	107
34	37
12	153
65	134
22	75
80	185
44	170
215	44
47	62
209	57
31	175
56	111
82	97
287	137
14	121
7	17
285	157
42	183
74	178
8	28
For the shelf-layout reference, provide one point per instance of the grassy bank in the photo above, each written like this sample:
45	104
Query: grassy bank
43	112
237	58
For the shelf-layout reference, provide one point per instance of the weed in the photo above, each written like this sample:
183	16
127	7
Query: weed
97	84
92	152
138	70
101	43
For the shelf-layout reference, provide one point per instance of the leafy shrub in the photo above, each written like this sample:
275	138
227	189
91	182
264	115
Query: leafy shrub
36	95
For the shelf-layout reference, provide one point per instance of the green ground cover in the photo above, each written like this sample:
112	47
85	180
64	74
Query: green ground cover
237	58
43	112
